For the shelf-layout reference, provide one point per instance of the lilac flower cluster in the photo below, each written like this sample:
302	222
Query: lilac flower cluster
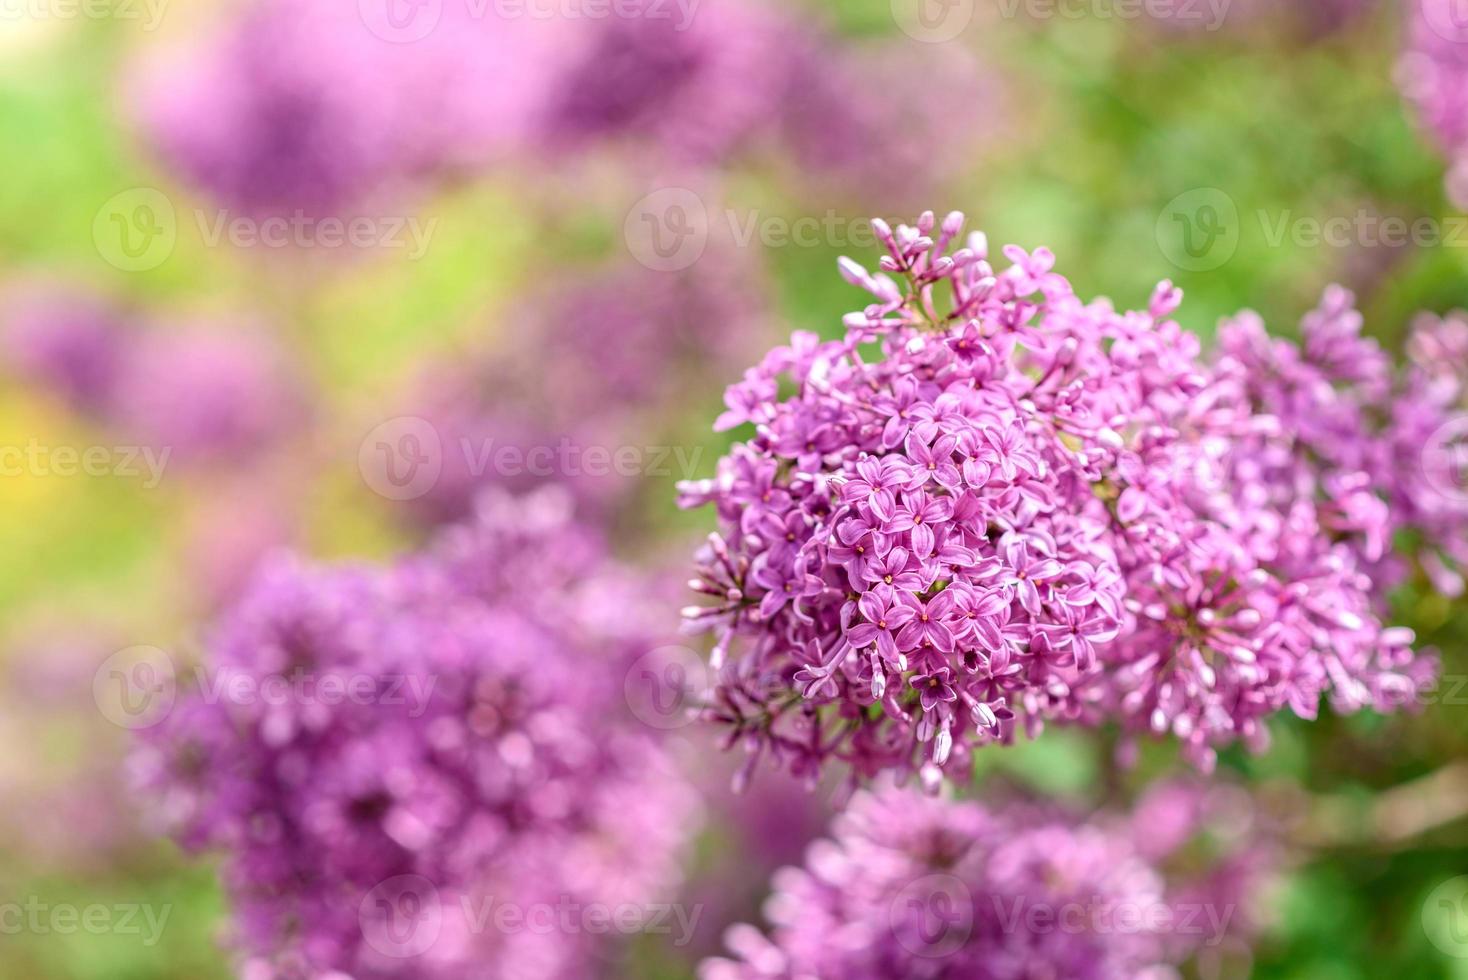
577	367
1426	474
493	763
1433	75
296	106
1217	848
995	503
202	391
68	341
698	87
912	886
1358	430
301	106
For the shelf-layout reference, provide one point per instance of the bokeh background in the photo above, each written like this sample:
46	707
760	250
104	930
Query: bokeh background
268	268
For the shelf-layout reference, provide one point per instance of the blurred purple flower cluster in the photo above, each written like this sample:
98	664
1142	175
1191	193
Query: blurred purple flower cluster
295	106
993	502
203	391
577	369
486	756
913	886
1433	74
1368	446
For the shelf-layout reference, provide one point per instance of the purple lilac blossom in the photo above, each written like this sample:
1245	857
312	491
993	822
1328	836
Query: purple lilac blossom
1217	850
696	86
913	886
995	504
62	811
1357	428
1430	415
1433	75
298	106
753	830
67	341
217	392
739	78
574	376
502	771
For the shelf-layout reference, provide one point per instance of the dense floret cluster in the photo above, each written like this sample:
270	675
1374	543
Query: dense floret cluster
293	107
1433	74
203	391
475	751
1375	448
912	886
994	503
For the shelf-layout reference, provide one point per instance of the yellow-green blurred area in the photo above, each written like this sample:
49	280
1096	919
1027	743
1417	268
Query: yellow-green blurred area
1103	124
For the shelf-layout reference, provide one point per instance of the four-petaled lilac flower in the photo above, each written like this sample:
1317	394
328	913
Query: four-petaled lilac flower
786	584
928	628
934	687
1028	573
936	460
885	614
